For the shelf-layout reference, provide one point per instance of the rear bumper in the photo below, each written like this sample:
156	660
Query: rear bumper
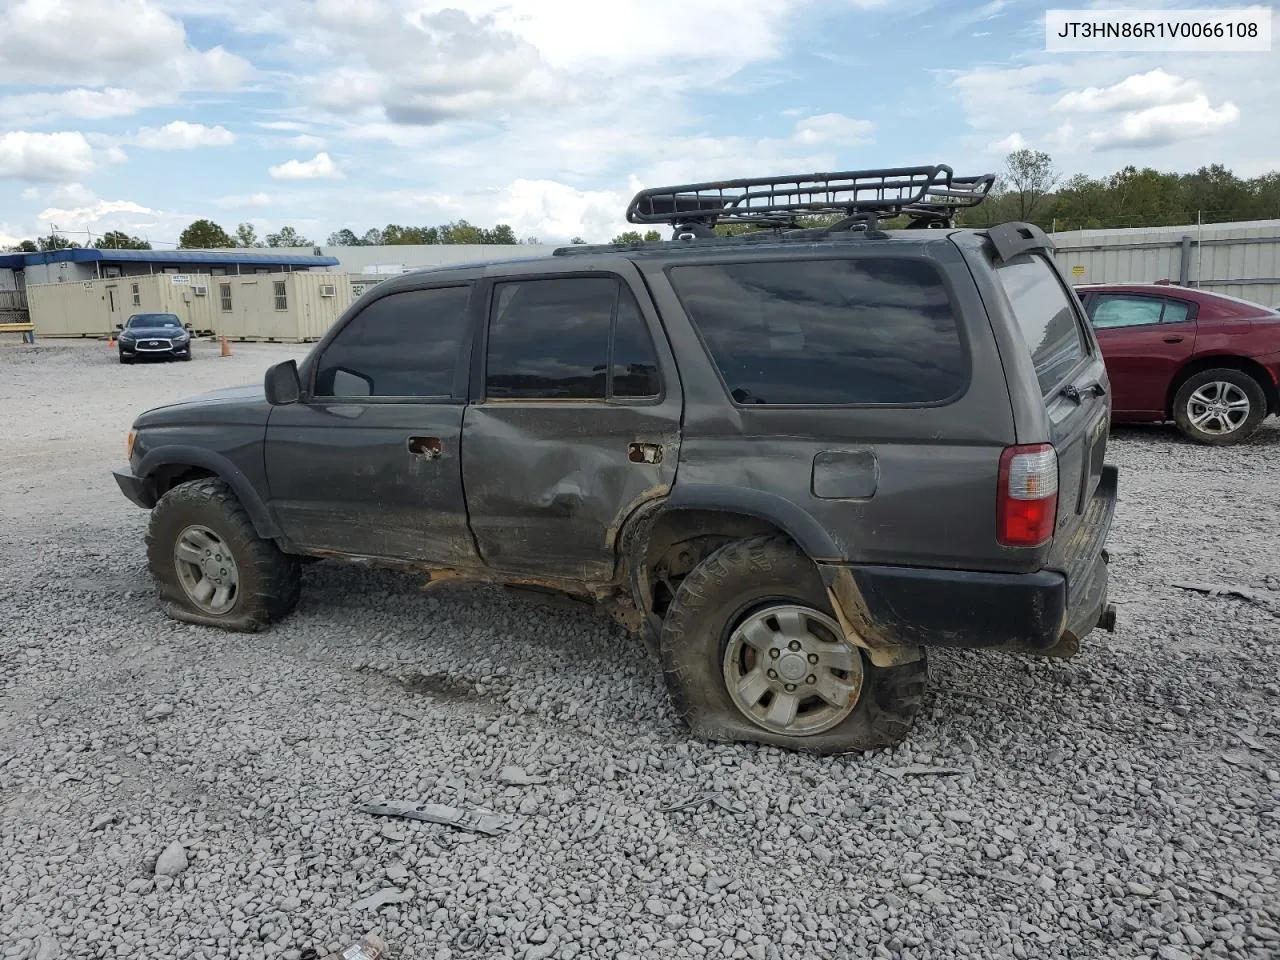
1046	612
137	489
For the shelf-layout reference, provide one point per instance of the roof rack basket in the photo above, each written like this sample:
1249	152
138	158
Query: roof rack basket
929	196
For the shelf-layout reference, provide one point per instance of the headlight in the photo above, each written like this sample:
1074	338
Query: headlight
126	336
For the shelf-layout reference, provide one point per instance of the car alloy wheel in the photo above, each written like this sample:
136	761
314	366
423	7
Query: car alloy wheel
206	569
1218	408
789	670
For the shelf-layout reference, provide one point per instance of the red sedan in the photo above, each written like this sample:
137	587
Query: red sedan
1209	362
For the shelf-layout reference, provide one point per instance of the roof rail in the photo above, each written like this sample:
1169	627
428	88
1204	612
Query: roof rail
929	195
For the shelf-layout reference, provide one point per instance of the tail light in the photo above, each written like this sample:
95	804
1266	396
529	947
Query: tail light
1027	501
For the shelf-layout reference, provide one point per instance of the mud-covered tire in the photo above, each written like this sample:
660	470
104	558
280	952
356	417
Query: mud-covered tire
269	581
1239	384
726	587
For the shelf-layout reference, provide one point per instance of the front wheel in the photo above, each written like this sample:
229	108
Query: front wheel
210	564
1220	407
751	651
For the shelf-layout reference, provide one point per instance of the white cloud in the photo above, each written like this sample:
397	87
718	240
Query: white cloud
80	217
45	156
1134	92
79	102
1170	123
182	135
834	128
234	201
99	42
319	167
305	141
1014	141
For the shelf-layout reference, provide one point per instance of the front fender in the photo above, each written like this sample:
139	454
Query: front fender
223	468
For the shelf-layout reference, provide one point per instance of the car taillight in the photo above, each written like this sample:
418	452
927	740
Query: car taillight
1027	501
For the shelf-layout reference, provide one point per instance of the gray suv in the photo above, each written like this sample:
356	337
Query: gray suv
792	459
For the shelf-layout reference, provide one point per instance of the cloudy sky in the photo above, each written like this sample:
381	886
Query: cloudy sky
143	115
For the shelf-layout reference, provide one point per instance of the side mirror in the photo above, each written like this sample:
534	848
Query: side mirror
187	327
282	384
119	326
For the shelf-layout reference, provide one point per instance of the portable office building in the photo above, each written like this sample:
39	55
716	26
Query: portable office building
93	308
288	307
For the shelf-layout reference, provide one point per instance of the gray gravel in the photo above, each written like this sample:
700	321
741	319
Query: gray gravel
174	791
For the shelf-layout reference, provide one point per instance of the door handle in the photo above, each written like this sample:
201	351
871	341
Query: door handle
644	452
428	448
1174	339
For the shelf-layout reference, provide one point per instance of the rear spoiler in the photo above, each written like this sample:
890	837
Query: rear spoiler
1014	239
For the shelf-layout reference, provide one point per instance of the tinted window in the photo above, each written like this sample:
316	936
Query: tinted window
154	320
1175	311
827	331
1045	315
402	345
549	339
634	364
1111	311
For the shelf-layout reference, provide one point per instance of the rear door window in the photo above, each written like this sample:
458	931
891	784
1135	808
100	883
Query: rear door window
829	332
1045	316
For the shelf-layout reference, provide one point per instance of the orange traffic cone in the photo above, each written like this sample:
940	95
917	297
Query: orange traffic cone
111	341
226	348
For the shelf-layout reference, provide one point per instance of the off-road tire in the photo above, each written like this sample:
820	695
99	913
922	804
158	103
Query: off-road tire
269	581
1238	378
723	588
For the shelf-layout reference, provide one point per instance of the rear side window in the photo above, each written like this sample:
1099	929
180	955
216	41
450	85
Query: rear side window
402	345
1045	316
851	331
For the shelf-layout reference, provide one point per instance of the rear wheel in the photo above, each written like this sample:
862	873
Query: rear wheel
1220	407
210	563
751	651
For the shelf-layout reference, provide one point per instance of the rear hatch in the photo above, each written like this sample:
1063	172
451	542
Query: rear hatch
1076	394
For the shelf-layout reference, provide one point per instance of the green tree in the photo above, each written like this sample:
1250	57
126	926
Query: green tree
372	238
204	235
287	237
119	240
344	238
576	241
651	235
27	246
56	241
247	236
460	231
1029	177
502	234
628	236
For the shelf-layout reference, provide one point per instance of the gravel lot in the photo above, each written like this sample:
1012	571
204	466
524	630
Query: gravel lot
1122	804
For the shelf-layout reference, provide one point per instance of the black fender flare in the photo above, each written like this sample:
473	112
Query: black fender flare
224	470
791	519
784	514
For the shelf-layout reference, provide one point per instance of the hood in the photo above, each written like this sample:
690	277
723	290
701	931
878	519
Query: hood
244	405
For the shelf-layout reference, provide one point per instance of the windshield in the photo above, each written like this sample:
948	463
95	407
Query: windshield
154	320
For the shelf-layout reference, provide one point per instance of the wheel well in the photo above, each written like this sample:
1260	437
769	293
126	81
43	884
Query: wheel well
681	539
1245	365
169	475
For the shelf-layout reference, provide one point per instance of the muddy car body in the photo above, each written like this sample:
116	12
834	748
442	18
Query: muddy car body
794	460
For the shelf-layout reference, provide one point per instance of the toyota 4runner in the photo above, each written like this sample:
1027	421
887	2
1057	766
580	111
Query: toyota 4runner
794	459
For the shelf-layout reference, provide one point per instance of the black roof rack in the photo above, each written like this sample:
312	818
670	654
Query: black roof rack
928	195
